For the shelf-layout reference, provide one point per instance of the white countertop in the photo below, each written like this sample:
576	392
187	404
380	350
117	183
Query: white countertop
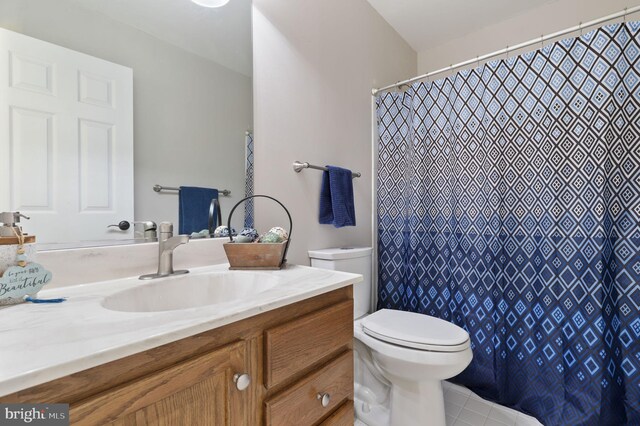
43	342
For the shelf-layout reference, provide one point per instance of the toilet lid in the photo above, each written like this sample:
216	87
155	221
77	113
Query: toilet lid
415	330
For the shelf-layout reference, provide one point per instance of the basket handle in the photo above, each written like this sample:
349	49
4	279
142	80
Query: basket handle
286	247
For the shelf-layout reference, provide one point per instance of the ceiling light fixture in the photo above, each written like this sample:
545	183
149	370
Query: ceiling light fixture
211	3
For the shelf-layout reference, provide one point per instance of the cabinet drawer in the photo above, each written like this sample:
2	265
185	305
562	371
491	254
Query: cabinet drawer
344	416
299	404
298	344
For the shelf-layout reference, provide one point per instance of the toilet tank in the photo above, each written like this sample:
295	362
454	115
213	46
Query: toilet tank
356	260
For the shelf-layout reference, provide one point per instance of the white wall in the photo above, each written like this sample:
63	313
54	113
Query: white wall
546	19
190	114
315	63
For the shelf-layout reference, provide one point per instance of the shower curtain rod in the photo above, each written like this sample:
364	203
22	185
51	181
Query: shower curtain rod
541	39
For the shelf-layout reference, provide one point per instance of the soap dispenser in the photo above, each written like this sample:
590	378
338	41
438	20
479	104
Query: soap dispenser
9	222
10	242
21	277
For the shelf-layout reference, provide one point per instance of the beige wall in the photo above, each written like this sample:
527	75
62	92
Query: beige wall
315	63
190	114
546	19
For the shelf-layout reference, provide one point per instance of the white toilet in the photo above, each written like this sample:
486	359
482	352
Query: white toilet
411	352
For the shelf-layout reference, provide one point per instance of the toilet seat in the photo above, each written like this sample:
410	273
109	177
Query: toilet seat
415	331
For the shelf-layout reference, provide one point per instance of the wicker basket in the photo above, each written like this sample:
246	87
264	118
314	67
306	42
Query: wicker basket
257	255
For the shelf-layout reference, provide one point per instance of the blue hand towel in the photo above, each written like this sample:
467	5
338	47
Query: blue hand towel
336	198
194	208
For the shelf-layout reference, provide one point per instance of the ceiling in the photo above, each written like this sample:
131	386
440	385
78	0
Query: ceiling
428	23
222	35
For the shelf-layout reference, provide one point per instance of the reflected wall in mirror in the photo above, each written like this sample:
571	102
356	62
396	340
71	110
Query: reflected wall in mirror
105	99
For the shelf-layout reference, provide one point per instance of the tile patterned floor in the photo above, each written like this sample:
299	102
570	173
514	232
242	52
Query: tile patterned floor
465	408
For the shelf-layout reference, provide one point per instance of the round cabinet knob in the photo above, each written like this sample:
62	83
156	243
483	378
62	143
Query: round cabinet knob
324	398
242	381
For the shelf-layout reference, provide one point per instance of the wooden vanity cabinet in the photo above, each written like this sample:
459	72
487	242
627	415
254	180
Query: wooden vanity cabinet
318	338
299	358
301	403
343	416
195	392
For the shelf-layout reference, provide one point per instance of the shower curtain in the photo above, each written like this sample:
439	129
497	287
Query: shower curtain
509	204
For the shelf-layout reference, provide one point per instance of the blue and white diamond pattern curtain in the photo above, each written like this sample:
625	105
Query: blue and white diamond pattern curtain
248	186
509	204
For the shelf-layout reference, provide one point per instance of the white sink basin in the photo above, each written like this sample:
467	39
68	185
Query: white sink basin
189	291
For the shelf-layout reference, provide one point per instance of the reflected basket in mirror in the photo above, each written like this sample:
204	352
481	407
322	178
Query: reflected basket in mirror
251	256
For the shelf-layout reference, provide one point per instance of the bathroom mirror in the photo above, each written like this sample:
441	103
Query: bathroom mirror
107	99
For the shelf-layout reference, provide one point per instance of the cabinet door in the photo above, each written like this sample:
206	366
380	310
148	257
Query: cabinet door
200	391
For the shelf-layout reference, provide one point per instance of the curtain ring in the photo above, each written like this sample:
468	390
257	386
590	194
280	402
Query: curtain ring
624	17
580	28
478	61
541	41
507	52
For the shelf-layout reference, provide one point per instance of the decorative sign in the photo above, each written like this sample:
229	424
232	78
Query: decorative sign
18	282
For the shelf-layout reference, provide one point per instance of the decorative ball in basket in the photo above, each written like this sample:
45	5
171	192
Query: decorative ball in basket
260	255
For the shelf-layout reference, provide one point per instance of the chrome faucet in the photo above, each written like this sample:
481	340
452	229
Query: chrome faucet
166	244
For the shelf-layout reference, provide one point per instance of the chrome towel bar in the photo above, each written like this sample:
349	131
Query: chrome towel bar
160	188
298	166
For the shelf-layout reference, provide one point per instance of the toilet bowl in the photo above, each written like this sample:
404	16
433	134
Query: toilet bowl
409	352
415	353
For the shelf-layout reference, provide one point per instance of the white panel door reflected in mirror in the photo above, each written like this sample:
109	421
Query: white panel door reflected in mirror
68	130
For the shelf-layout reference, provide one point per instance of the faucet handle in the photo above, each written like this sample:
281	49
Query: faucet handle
165	228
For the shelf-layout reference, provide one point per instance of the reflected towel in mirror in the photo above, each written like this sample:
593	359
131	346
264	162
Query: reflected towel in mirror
194	208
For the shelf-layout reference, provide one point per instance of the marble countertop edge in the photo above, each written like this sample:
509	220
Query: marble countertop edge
24	377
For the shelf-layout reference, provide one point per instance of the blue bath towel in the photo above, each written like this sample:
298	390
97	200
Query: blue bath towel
336	198
194	208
